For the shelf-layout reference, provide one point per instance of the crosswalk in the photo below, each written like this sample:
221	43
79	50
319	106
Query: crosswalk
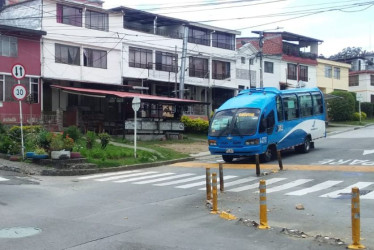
235	184
3	179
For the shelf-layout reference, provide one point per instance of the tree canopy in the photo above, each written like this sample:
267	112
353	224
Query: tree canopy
350	52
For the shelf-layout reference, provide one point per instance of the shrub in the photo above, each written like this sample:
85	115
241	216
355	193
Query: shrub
195	125
341	109
90	139
104	138
367	107
73	132
5	144
40	151
356	116
2	128
56	142
68	143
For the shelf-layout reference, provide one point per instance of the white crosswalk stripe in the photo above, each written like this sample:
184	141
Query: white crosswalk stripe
196	184
164	179
338	193
315	188
256	185
236	182
144	177
191	180
125	176
3	179
288	185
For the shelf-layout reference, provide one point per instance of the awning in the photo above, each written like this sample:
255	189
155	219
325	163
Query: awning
127	95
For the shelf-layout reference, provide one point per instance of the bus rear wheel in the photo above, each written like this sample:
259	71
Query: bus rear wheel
228	158
305	147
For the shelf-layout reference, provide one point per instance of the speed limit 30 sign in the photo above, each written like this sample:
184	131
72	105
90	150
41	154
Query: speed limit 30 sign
19	92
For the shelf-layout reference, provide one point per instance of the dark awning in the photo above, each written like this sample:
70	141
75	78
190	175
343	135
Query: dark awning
125	95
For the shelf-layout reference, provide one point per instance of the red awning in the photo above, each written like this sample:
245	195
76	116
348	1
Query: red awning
128	95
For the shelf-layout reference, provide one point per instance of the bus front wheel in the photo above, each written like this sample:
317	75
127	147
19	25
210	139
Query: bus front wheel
305	147
228	158
269	154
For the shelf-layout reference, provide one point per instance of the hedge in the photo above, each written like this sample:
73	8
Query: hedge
195	125
341	109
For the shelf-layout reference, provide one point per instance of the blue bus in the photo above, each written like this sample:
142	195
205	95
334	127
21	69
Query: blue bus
264	120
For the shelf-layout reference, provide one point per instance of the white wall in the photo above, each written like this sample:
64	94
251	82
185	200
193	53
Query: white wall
364	87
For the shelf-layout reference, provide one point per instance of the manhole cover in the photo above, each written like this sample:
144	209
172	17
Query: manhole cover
19	232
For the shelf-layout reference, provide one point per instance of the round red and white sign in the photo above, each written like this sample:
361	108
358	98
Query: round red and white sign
19	92
18	71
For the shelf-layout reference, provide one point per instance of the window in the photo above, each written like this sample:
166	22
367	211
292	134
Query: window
2	86
69	15
337	73
221	70
96	20
291	71
317	103
280	109
95	58
269	67
306	105
290	107
34	90
198	67
328	70
199	36
140	58
372	80
303	73
166	61
243	60
372	98
223	41
8	46
67	54
353	80
251	61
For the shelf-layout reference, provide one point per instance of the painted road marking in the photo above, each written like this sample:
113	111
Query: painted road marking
164	179
287	185
3	179
144	177
315	188
236	182
125	176
196	184
107	174
256	185
181	181
337	194
368	196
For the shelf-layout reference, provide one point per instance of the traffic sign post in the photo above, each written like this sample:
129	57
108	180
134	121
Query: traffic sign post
19	93
360	98
135	106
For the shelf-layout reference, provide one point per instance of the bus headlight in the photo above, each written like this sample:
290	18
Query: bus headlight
212	142
252	142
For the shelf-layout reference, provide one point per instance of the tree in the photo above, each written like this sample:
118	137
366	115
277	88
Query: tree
349	52
342	107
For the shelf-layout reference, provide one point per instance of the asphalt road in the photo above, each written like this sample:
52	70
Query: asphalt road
165	207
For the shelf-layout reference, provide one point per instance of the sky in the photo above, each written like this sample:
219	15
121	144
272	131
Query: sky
339	24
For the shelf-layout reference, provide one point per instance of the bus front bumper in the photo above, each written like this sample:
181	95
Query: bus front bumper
242	151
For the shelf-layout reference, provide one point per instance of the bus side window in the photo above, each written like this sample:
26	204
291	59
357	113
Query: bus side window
280	109
291	110
306	107
262	124
270	122
317	103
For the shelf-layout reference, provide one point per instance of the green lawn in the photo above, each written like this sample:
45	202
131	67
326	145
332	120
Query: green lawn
362	123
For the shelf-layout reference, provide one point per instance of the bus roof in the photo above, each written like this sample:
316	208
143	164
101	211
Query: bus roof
259	97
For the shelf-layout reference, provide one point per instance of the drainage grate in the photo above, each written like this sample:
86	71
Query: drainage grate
19	232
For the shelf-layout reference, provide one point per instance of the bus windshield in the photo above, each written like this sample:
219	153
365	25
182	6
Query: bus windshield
235	122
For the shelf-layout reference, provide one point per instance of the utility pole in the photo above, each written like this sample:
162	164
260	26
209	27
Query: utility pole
183	63
261	44
176	71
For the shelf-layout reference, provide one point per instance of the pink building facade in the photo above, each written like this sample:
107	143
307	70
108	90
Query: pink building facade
20	46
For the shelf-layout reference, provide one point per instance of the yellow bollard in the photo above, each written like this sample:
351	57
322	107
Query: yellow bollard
208	186
263	208
214	186
355	219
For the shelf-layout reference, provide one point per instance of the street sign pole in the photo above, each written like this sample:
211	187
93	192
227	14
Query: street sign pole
135	107
19	93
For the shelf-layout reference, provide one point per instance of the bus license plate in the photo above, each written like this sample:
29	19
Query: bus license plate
229	151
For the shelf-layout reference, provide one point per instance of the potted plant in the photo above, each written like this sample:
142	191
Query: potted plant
57	147
40	153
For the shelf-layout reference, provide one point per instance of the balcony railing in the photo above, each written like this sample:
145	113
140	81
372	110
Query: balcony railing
150	30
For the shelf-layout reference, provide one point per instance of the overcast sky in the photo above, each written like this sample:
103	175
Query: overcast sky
340	24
